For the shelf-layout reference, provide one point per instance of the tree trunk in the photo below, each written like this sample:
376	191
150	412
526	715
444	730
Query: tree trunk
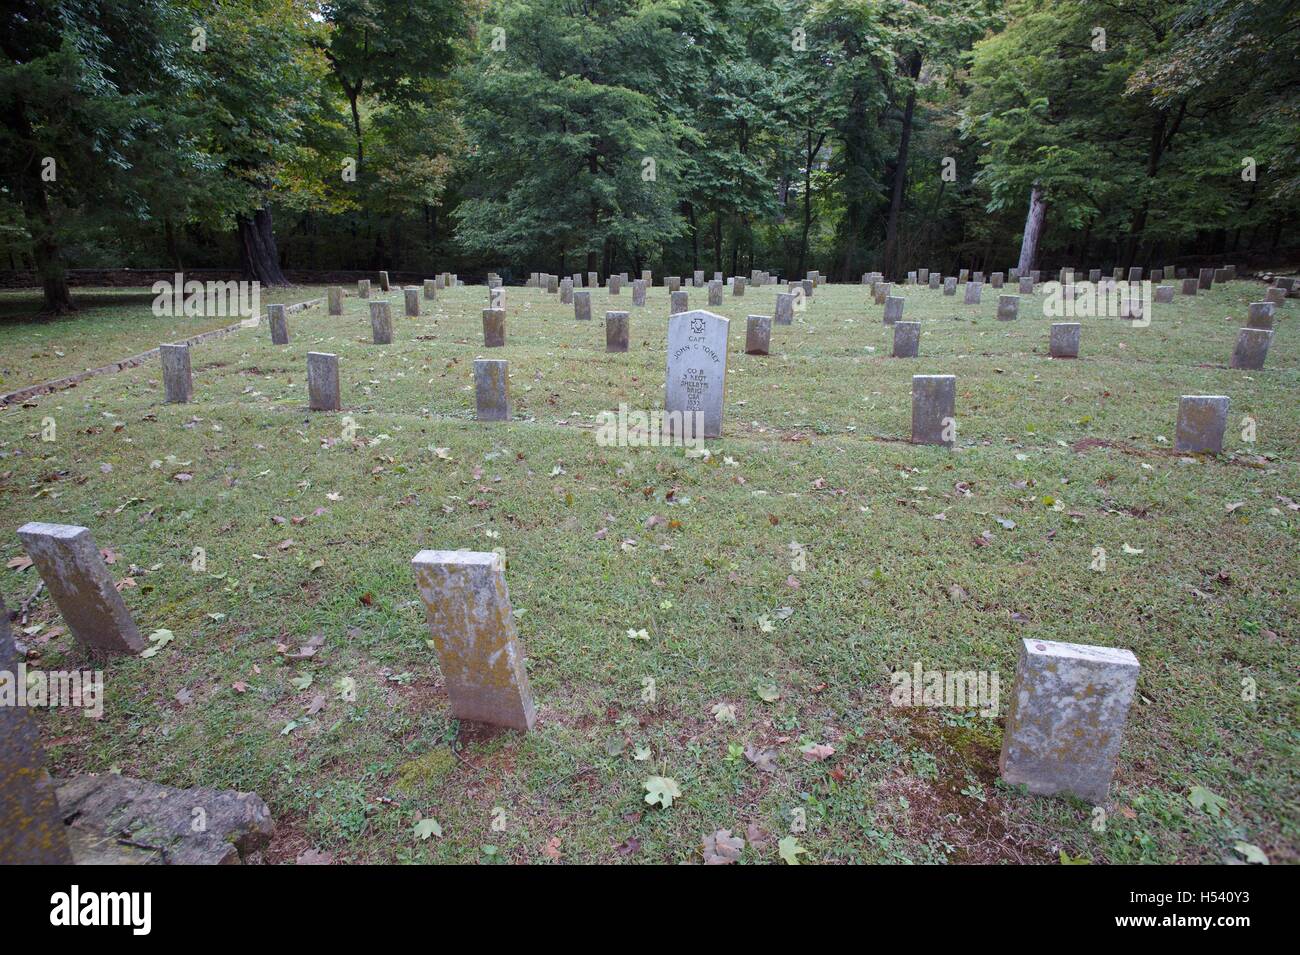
259	258
46	255
717	241
1033	230
900	172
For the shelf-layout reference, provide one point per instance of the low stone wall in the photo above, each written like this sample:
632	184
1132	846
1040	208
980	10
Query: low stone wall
71	381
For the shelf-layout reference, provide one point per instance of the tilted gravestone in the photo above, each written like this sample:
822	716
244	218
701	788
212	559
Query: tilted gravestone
32	831
323	382
907	339
77	578
335	296
279	326
492	389
1009	306
1205	279
1202	420
758	334
178	382
616	331
1275	295
582	306
383	281
412	296
1064	341
697	368
893	309
784	308
471	621
494	327
381	323
1067	717
934	398
1252	348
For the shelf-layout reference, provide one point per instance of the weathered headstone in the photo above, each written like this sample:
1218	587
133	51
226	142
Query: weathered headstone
1094	276
1009	306
698	278
996	279
381	323
907	339
678	302
1220	276
934	398
76	577
566	292
697	367
323	382
1205	279
923	276
1252	348
1026	286
32	831
1202	420
1276	296
638	292
492	389
494	327
593	280
615	284
973	290
178	382
758	334
673	283
1064	341
978	277
383	281
893	309
279	326
911	278
715	293
1260	315
467	605
738	286
1189	286
1135	274
784	308
616	331
411	294
582	306
962	275
1067	716
950	285
1164	294
552	284
363	288
935	279
335	296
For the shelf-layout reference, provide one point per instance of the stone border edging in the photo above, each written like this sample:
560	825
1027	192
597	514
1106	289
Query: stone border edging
71	381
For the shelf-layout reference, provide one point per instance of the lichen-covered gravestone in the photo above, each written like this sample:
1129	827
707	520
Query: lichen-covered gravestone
1260	315
1202	420
907	339
715	292
1067	716
582	306
1064	341
616	331
973	290
430	289
1252	348
738	286
893	309
323	382
784	307
1009	306
492	389
31	826
178	382
335	296
77	578
638	292
411	294
934	398
381	323
697	368
279	326
1164	294
678	302
1026	286
494	327
467	605
758	334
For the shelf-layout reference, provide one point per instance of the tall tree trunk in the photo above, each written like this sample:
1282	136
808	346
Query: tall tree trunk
1033	230
717	241
695	236
46	254
259	258
900	171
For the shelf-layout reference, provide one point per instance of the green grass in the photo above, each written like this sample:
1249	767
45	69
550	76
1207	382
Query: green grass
814	452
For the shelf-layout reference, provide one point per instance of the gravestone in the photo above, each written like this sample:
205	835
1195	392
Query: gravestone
497	295
698	278
1066	720
178	382
923	276
996	279
1094	276
32	831
323	382
638	292
935	279
715	292
807	287
697	367
738	286
673	283
893	309
383	281
880	291
616	331
758	334
1009	307
1202	420
492	389
933	400
784	308
647	277
615	284
593	280
381	323
467	606
1157	276
494	327
907	339
911	278
962	275
552	284
566	292
78	579
1276	296
1013	275
279	326
1026	286
1037	277
1220	276
1205	279
1064	341
1135	274
412	295
363	288
978	278
1252	348
335	296
973	290
1189	286
1260	315
1164	294
678	302
582	306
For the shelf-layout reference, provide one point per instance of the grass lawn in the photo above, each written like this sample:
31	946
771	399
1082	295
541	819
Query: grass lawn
912	554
